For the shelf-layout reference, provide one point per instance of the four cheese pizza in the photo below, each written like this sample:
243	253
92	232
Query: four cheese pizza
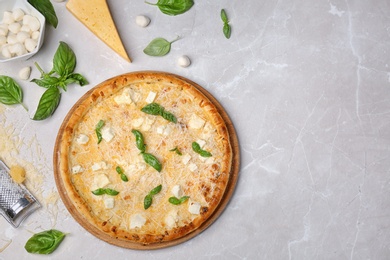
143	157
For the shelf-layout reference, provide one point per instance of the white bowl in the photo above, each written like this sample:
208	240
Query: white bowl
9	5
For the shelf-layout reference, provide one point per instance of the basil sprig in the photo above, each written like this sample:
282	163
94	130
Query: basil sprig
148	158
148	200
176	201
158	110
61	75
45	7
159	47
98	130
227	30
176	150
196	148
10	92
102	191
123	175
173	7
44	242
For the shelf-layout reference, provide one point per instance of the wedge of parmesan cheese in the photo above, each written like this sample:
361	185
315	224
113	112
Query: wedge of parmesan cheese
96	16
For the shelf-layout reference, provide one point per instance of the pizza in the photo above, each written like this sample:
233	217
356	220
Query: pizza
143	158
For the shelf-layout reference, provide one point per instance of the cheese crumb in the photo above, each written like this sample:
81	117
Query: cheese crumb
77	169
186	158
100	181
107	134
137	220
151	96
196	122
18	174
201	142
82	139
124	98
99	165
171	218
192	167
109	203
194	208
137	122
176	191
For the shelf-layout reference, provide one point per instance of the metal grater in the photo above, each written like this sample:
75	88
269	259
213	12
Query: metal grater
16	202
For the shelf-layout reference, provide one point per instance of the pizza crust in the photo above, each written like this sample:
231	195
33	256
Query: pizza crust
209	192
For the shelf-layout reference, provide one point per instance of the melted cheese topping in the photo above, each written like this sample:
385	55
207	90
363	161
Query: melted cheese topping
195	176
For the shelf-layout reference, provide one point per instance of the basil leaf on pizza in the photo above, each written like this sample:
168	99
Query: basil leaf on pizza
139	140
196	148
98	131
148	200
152	161
176	201
158	110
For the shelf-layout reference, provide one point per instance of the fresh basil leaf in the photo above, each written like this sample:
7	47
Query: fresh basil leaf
152	109
124	178
227	30
159	47
139	140
10	91
47	82
98	130
148	201
156	190
176	201
123	175
224	16
169	116
111	192
102	191
76	78
44	242
176	150
149	198
48	103
119	170
196	148
173	7
64	61
156	109
45	7
99	191
152	161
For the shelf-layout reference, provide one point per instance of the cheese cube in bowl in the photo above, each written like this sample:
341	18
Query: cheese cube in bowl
22	30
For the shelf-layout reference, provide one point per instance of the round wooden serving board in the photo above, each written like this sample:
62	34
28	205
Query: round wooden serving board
130	244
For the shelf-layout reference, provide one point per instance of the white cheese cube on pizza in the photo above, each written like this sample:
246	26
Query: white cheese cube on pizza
194	208
77	169
107	134
160	129
192	167
101	180
109	202
82	139
171	218
186	158
196	122
177	191
201	142
137	122
168	130
151	96
148	122
137	220
99	165
124	98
